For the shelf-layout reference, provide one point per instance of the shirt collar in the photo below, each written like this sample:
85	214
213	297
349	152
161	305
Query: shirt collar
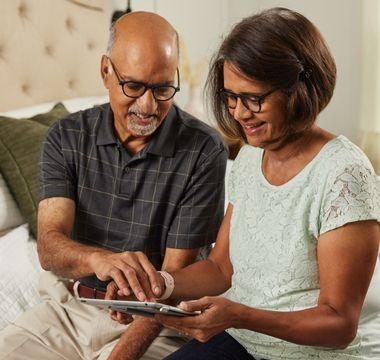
162	142
106	135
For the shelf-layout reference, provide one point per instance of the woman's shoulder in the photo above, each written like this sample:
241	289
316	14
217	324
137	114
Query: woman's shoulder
340	153
351	189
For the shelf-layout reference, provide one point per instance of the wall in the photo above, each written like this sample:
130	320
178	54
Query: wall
202	24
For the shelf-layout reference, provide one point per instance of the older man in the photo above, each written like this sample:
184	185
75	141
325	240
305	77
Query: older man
126	187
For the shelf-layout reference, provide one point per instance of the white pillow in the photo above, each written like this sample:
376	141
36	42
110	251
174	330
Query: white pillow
19	274
10	215
72	105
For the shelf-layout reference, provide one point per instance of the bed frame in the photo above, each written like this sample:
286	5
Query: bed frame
50	50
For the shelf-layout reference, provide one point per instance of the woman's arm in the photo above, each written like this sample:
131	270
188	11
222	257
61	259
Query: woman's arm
346	259
211	276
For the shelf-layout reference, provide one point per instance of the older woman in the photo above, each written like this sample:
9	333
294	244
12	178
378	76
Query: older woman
299	241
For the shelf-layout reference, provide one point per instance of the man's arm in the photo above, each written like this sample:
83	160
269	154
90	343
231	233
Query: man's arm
56	250
65	257
141	333
198	219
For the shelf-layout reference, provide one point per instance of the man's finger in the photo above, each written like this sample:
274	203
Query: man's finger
154	276
144	281
134	283
124	318
131	260
120	280
111	292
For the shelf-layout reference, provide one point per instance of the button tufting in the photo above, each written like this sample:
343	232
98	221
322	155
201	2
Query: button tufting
71	83
90	45
22	9
49	50
25	88
69	24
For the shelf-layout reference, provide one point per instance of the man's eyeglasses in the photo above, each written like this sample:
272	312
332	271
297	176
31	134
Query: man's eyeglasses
135	89
251	102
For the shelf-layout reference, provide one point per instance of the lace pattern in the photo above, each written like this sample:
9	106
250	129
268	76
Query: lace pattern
274	234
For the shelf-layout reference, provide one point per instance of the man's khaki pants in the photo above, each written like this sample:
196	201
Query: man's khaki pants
63	328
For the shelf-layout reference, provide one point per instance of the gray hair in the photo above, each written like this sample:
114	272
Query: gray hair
111	38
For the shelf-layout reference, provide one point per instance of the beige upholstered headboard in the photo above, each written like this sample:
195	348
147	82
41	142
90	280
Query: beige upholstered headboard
50	50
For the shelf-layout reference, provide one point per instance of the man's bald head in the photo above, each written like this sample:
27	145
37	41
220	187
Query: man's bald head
143	54
145	27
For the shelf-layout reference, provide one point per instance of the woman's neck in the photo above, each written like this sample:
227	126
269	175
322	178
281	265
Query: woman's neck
282	164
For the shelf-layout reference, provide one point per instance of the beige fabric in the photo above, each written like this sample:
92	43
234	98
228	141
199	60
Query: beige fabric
63	328
369	110
369	141
51	49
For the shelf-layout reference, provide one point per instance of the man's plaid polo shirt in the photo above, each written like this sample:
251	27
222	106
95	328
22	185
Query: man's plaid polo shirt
170	194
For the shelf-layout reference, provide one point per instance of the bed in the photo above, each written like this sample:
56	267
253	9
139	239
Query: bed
49	66
49	54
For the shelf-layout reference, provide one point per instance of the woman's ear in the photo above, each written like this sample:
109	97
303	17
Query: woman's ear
105	71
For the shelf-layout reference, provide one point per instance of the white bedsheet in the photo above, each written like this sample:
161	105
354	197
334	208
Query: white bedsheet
19	269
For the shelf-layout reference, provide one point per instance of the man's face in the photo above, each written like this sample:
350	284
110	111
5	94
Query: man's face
138	117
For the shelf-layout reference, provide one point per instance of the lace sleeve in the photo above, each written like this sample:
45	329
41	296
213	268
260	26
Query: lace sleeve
353	194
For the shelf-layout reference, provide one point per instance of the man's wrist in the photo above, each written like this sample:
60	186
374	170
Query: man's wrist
94	256
136	339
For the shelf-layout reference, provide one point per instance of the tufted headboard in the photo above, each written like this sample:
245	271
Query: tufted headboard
50	50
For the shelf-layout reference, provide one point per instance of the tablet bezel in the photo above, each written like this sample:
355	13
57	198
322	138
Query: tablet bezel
143	308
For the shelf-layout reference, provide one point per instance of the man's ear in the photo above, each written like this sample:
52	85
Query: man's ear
105	70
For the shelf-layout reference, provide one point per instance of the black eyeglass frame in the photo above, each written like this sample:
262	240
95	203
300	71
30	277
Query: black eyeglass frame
146	86
244	97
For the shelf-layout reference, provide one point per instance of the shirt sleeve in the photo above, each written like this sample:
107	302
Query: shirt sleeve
56	178
201	209
352	194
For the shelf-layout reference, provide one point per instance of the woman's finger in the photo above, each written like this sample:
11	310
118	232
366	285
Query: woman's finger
196	305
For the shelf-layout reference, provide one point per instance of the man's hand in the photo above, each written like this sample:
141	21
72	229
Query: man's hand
111	294
132	272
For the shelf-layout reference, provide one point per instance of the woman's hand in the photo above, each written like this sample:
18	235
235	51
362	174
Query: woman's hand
217	315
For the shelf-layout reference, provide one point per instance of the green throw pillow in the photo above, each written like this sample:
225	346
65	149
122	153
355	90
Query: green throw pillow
20	146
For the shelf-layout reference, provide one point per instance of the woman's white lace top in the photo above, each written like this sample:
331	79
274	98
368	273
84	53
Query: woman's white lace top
274	234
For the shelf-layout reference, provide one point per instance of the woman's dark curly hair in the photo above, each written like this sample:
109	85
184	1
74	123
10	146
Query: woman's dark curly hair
283	49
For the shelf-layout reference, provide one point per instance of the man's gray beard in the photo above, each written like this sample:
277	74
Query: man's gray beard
139	130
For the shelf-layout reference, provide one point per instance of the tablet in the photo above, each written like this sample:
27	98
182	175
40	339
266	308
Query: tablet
142	308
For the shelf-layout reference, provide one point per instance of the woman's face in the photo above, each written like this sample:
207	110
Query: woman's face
261	127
